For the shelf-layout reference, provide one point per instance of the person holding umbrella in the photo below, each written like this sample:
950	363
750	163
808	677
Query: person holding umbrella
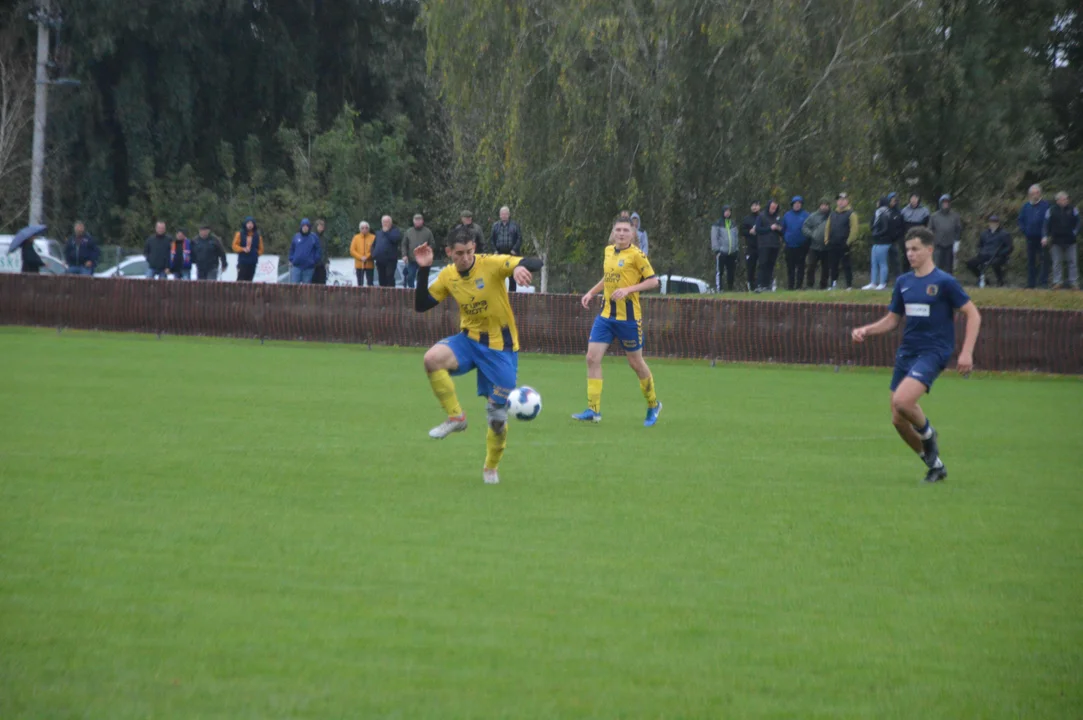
24	241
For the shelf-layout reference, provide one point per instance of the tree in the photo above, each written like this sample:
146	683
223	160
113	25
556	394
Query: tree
16	119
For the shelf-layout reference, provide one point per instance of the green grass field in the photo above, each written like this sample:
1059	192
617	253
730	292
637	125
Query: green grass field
223	529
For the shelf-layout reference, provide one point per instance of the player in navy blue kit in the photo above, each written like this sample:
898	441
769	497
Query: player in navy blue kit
928	298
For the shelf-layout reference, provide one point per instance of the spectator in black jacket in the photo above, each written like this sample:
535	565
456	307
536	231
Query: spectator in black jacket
752	246
769	237
81	251
994	249
506	239
467	218
156	251
386	251
1059	231
209	254
319	273
32	262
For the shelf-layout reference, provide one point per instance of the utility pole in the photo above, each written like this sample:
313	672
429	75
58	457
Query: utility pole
41	99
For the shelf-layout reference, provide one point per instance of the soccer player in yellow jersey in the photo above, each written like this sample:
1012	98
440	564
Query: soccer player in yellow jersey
628	272
489	341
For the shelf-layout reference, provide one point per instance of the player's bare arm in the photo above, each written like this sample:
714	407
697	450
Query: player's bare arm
965	362
648	284
884	325
592	293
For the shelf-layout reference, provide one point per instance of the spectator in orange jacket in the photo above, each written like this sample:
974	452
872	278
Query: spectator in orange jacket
248	249
361	250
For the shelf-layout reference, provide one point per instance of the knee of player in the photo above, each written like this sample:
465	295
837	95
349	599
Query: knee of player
498	417
432	360
898	405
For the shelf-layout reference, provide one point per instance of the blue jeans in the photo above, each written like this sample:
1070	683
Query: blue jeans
879	264
301	275
159	274
79	270
410	274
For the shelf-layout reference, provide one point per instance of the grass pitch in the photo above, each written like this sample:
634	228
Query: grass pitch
220	529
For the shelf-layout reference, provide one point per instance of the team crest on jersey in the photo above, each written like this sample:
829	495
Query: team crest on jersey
932	289
480	284
620	263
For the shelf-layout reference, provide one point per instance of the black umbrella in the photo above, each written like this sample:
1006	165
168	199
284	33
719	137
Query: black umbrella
23	235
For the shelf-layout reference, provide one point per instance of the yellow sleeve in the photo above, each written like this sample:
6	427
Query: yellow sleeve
237	247
504	265
646	271
260	245
439	289
355	247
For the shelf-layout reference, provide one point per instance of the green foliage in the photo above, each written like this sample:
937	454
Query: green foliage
570	112
352	171
166	87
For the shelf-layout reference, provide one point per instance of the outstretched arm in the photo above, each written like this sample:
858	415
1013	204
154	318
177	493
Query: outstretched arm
965	362
526	266
884	325
423	299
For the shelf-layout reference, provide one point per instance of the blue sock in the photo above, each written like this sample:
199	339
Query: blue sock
925	432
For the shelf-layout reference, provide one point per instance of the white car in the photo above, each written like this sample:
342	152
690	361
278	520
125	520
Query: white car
47	250
334	278
133	266
681	285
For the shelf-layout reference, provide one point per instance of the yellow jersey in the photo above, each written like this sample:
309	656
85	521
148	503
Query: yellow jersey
482	293
624	268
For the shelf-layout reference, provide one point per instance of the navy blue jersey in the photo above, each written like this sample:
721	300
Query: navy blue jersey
929	304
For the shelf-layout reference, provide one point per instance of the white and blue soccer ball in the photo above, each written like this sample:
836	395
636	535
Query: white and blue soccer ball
524	403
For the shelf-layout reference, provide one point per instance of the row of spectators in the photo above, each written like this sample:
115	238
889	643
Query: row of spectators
823	241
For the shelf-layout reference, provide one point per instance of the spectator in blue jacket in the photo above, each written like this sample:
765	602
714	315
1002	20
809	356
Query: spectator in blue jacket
1031	220
81	252
796	243
305	254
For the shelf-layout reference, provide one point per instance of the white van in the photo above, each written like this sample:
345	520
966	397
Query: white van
49	250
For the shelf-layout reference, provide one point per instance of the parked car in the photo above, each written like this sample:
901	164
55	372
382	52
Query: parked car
133	266
681	285
334	277
49	250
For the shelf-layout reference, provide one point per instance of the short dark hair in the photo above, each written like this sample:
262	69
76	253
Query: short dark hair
924	234
461	235
623	217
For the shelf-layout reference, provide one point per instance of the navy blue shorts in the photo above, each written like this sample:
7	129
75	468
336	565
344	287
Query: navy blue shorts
923	367
497	369
629	332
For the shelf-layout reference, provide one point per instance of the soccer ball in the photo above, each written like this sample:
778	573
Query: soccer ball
524	403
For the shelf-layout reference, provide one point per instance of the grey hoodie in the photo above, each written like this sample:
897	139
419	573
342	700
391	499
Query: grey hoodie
725	240
641	233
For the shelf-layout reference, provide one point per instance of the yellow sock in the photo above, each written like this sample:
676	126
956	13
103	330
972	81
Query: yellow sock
494	447
444	390
594	394
647	386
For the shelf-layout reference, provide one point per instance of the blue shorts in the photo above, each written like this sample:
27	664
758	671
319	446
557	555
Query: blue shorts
629	332
923	367
497	369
